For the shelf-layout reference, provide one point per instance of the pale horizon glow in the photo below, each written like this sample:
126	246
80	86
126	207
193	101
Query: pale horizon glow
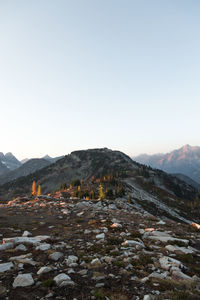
91	74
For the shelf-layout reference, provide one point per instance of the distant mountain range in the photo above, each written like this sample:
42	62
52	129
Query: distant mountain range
183	161
8	162
11	168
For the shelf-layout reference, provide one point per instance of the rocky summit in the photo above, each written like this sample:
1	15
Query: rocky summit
67	248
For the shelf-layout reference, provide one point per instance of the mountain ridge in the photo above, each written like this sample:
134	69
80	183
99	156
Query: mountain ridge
154	190
185	160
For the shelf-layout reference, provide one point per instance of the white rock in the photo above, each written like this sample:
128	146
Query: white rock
87	231
108	259
133	243
21	247
163	237
6	267
23	280
26	234
61	277
161	222
43	247
148	297
112	206
177	274
24	259
6	246
95	261
44	270
100	236
116	225
66	283
168	262
71	260
26	240
158	275
65	211
185	250
55	256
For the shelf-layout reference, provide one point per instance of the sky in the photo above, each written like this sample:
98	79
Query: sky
121	74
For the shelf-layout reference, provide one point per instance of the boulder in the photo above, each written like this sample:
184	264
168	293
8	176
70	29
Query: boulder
59	279
6	267
23	280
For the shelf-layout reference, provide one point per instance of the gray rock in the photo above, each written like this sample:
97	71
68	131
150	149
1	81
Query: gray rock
59	279
100	236
95	261
23	280
56	256
26	233
24	259
21	247
177	274
43	247
148	297
163	237
44	270
173	248
6	246
133	243
167	262
26	240
6	267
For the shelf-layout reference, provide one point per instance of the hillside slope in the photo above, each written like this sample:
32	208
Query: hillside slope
153	190
25	169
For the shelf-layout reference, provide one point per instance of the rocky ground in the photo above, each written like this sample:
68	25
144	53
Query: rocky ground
57	248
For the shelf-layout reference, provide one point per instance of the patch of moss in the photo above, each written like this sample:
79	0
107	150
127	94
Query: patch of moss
99	294
48	283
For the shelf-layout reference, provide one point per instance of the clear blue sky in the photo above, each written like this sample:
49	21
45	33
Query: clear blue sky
80	74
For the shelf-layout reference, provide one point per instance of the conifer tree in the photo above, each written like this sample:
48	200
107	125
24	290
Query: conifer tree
39	190
33	188
101	192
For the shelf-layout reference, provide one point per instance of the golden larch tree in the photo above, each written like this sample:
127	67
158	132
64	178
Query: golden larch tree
33	188
101	192
39	191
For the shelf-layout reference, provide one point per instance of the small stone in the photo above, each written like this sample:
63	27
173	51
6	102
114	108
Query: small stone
99	285
116	225
108	259
95	261
100	236
44	270
148	297
43	247
26	233
60	278
83	272
133	243
23	280
56	256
